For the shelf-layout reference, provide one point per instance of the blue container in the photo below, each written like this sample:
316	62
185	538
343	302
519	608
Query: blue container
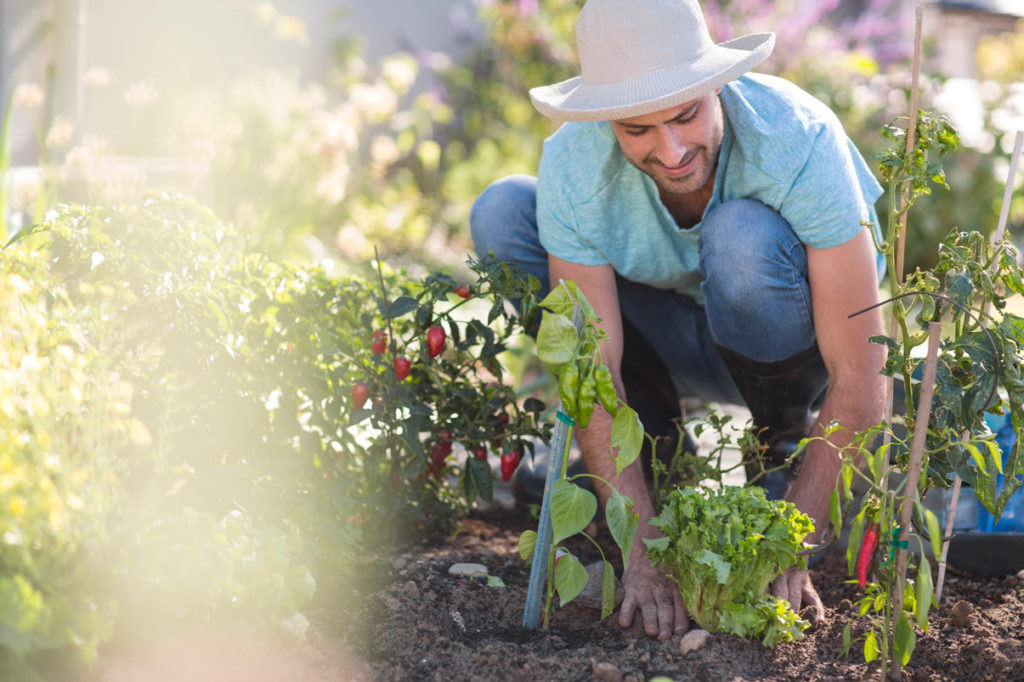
1012	518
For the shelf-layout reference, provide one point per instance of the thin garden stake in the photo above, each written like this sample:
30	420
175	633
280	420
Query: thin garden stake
957	482
538	571
901	236
923	416
901	565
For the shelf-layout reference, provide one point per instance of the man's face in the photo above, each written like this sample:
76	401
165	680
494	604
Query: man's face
677	147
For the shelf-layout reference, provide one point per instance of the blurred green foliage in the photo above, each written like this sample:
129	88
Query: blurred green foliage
183	444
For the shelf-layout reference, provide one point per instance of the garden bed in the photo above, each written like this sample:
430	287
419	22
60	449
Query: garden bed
419	622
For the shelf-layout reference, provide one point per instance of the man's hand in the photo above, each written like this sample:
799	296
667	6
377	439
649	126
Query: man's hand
795	586
657	597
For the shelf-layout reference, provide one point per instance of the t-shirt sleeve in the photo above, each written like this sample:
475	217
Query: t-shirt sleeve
832	193
558	228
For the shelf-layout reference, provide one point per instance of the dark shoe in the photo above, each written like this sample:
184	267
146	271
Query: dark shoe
782	398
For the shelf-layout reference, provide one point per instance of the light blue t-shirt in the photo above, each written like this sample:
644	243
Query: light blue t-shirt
780	146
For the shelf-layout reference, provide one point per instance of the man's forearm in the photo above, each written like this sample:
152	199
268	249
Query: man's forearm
855	405
595	443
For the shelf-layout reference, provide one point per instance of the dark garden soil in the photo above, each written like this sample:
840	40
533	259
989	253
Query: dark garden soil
421	623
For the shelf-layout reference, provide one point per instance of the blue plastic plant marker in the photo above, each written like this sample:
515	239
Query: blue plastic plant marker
538	571
1012	518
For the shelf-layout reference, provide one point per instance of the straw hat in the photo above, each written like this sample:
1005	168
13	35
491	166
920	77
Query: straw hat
641	56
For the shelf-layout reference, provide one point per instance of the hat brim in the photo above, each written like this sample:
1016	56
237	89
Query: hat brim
573	100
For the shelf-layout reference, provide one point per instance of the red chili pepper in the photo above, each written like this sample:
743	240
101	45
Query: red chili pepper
867	551
435	340
462	291
380	342
402	368
509	461
360	392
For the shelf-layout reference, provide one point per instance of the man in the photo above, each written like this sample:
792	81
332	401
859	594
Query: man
714	221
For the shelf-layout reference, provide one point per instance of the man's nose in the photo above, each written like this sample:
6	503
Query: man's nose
671	147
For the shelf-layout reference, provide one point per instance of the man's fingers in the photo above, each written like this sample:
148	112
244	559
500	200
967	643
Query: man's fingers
780	587
682	619
650	613
666	611
795	588
812	597
628	607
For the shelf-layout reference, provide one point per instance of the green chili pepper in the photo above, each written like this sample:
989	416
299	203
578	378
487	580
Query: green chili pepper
568	387
585	400
606	389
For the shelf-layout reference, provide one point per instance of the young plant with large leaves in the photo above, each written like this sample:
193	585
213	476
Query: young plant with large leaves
584	383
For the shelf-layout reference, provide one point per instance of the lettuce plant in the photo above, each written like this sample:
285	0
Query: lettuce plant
723	548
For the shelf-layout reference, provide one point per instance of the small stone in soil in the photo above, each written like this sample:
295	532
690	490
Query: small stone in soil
471	570
606	672
590	597
960	614
693	640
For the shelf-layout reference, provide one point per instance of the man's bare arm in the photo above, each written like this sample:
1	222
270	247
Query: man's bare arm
843	280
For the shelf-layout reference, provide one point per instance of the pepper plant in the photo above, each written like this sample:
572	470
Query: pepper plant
978	370
253	417
583	381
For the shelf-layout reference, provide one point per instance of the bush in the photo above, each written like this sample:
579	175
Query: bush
237	469
62	411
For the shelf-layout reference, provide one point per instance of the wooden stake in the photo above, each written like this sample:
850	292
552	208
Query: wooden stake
910	485
901	235
1004	212
922	417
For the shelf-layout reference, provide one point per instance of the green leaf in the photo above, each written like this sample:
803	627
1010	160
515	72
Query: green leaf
979	460
607	590
627	437
400	306
934	531
854	540
622	523
559	302
870	647
716	562
570	578
835	512
494	581
847	640
478	471
556	340
572	508
904	639
527	543
924	593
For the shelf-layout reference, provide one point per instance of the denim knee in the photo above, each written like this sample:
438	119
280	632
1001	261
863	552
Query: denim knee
755	281
503	220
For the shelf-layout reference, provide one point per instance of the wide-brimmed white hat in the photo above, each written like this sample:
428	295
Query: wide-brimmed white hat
641	56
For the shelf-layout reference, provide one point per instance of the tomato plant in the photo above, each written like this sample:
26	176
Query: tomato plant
977	369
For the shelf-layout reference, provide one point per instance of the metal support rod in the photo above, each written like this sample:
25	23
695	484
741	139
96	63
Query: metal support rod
538	571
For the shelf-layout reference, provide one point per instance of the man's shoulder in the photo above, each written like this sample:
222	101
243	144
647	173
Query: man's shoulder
763	103
775	123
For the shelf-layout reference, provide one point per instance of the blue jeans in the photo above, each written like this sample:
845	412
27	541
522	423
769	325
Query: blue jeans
756	295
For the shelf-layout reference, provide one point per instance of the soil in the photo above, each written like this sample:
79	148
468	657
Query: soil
422	623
